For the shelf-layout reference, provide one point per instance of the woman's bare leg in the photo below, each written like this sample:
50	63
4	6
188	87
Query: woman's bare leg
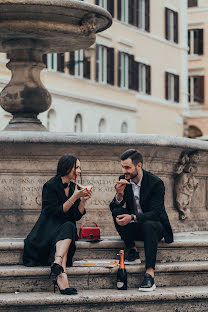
62	248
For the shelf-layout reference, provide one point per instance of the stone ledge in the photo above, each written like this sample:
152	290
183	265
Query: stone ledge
36	137
183	239
20	270
106	295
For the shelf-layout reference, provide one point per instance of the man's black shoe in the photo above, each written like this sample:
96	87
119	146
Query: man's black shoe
148	283
132	257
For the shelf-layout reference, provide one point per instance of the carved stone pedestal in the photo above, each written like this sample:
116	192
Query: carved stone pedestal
30	28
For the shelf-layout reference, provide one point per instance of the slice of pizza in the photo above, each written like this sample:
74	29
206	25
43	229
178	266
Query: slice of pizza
123	181
88	187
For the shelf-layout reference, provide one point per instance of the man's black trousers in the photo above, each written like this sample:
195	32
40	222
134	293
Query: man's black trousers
151	232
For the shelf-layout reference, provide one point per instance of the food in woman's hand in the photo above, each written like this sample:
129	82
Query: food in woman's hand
88	187
123	181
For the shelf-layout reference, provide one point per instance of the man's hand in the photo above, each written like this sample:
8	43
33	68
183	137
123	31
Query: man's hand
123	219
119	190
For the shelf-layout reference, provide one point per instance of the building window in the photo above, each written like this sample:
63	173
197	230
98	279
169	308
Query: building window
79	64
171	25
123	70
106	4
171	87
102	126
196	89
78	124
195	41
139	76
144	78
51	120
144	17
54	61
101	64
104	64
79	60
124	127
123	10
134	12
192	3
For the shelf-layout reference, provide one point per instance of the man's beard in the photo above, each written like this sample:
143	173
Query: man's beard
133	175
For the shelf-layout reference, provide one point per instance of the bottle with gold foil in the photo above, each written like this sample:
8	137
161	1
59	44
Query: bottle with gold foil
121	274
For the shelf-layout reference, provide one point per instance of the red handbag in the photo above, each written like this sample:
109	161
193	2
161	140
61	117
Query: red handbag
91	233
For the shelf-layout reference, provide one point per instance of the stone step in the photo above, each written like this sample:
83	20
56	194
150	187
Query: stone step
22	279
188	246
175	299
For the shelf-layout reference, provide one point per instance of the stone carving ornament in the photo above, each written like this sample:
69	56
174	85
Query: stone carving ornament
185	182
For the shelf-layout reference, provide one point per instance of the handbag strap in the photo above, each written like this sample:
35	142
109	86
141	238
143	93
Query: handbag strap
88	222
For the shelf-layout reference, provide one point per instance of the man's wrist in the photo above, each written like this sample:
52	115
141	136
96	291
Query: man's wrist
133	218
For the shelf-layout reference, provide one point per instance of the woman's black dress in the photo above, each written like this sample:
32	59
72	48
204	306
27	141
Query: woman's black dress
52	225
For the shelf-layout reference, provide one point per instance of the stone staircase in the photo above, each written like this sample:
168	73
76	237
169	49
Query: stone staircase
181	279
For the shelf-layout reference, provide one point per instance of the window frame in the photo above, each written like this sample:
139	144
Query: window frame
80	124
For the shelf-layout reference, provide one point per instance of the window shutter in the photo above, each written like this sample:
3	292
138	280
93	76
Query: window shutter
166	86
200	41
131	12
86	67
71	63
148	79
97	62
176	27
176	88
189	42
166	24
135	76
119	9
119	68
131	66
110	7
44	58
136	21
60	62
147	15
200	89
110	66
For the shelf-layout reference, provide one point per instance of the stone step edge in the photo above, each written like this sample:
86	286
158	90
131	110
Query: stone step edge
173	267
113	242
184	293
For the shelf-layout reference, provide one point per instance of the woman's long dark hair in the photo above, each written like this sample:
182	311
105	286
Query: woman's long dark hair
65	165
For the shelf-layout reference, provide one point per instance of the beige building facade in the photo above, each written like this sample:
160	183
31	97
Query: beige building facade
133	80
197	116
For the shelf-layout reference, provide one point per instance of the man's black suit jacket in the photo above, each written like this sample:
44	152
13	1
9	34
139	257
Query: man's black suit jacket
152	193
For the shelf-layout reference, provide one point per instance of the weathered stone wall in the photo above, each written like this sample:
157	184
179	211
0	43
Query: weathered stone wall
29	159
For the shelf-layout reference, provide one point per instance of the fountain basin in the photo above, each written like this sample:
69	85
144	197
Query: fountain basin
28	159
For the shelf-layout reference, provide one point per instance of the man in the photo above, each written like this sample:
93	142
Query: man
144	216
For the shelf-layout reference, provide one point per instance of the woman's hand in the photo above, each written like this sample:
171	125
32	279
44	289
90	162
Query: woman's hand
87	196
79	193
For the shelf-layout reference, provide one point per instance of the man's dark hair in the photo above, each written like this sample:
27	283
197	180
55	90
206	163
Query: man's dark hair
134	155
65	165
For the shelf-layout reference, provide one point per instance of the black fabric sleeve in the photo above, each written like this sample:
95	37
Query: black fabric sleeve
74	212
115	204
50	202
155	204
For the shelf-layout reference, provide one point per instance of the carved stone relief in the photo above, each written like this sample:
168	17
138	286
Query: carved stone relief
185	182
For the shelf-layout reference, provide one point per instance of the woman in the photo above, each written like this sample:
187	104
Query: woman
55	231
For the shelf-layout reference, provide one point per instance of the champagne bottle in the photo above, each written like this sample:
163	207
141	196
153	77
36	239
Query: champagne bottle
122	274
